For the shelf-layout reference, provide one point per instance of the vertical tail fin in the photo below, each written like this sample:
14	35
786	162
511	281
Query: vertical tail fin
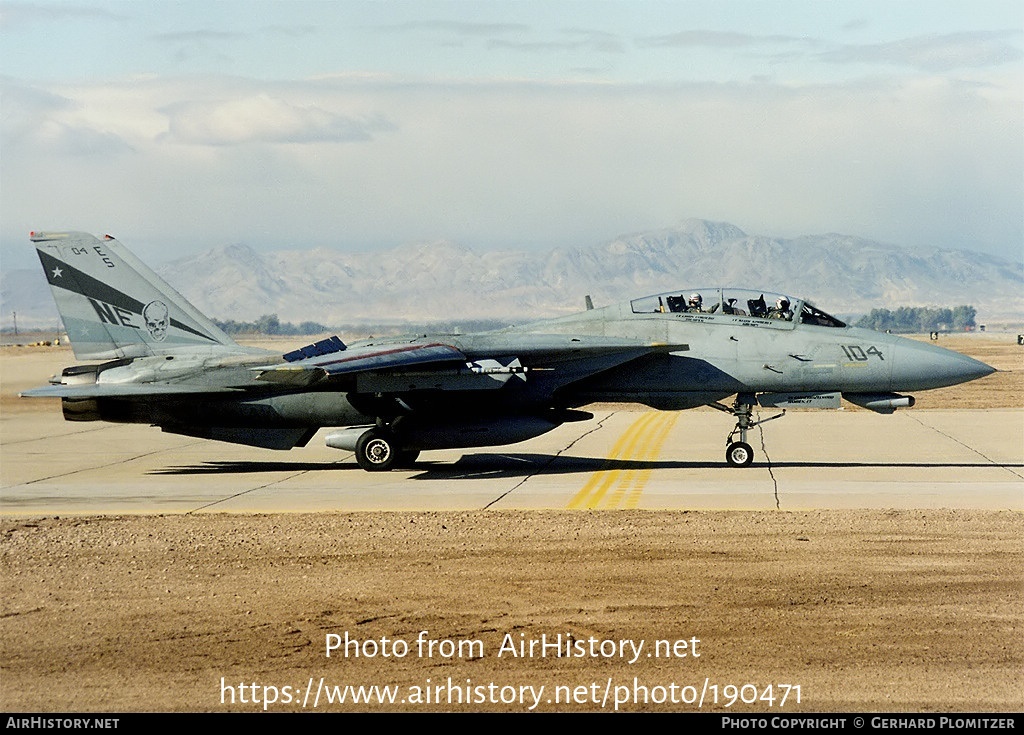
113	305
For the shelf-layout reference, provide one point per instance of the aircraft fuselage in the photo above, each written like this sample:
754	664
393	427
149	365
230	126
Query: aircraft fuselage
169	365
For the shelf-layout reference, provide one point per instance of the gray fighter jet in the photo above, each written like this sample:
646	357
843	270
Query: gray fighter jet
162	362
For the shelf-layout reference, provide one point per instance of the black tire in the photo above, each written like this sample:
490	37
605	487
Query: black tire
376	451
407	458
739	454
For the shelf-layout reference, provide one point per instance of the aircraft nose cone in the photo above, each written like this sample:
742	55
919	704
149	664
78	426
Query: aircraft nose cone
921	366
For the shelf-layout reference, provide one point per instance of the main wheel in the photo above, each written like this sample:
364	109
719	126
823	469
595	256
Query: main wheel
376	451
739	454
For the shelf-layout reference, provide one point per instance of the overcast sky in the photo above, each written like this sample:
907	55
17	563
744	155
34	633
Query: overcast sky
177	126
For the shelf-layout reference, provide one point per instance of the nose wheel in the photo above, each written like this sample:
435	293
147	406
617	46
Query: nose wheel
739	453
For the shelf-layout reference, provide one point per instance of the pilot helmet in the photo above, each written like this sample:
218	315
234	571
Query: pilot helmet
782	303
695	299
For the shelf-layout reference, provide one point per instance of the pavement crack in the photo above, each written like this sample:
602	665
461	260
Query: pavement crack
92	430
764	450
99	466
254	489
968	446
552	458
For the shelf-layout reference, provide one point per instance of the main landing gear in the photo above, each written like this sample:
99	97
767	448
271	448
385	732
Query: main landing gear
739	453
377	450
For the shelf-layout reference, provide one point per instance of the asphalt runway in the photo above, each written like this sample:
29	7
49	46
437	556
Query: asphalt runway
626	458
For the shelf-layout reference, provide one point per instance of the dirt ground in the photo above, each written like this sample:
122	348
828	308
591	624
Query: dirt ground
862	610
899	610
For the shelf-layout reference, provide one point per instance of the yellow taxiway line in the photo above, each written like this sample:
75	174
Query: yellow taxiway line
612	487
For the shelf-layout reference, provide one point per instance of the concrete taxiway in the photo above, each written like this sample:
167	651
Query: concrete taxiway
624	458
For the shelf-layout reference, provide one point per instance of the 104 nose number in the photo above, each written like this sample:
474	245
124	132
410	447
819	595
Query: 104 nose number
856	353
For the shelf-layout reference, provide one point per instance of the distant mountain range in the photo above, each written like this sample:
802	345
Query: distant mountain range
447	282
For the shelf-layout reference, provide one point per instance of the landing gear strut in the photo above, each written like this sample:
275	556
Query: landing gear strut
739	453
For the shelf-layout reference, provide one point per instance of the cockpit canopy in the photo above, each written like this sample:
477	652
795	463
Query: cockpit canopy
735	302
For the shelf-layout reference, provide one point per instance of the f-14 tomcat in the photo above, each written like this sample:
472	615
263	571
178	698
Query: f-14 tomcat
162	362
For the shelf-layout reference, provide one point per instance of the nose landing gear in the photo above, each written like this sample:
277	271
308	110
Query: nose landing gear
739	453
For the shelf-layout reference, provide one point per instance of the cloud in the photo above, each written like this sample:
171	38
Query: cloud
198	36
718	39
41	119
265	119
569	39
458	28
80	141
516	163
291	31
856	24
515	36
935	53
14	14
201	44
